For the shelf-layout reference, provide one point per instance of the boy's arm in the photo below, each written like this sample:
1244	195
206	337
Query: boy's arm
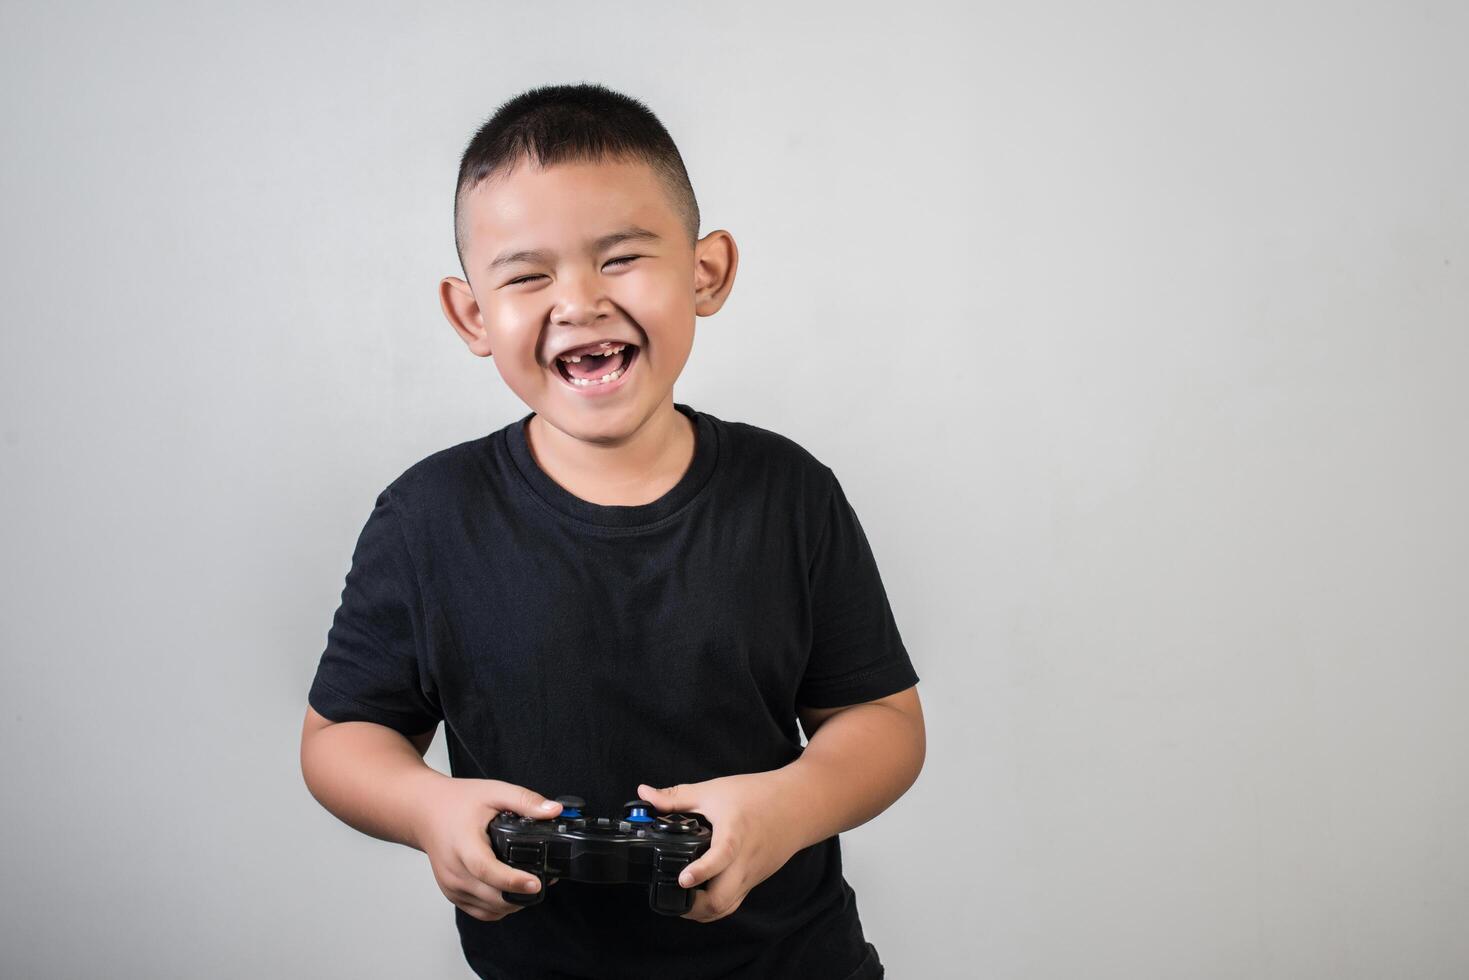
858	760
374	779
369	776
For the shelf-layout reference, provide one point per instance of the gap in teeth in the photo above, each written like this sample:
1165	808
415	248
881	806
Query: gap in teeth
607	351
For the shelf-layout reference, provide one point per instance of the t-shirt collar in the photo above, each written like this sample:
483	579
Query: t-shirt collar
568	504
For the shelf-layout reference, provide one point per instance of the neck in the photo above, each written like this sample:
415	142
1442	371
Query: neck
636	469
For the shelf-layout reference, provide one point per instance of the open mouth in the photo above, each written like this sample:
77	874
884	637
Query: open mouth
592	371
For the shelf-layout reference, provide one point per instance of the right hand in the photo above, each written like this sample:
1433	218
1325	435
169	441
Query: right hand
452	832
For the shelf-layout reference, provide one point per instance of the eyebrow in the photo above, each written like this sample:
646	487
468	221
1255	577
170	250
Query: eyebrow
632	233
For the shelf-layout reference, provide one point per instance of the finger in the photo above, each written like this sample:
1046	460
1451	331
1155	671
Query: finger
518	799
474	912
680	797
490	871
713	861
723	896
486	913
471	891
485	910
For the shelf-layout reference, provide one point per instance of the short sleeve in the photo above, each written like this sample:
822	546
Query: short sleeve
372	668
857	654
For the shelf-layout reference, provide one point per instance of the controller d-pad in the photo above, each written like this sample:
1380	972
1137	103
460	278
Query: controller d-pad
677	823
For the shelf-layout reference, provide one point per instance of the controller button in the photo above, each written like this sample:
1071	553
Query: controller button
525	854
670	863
677	823
637	811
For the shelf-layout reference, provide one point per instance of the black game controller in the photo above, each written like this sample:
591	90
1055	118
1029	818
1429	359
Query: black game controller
642	846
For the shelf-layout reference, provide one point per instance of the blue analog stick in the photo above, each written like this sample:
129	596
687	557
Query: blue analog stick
637	811
571	806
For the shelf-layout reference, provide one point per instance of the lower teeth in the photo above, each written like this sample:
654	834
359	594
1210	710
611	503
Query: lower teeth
605	379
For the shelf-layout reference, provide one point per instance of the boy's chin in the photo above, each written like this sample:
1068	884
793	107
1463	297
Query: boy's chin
608	422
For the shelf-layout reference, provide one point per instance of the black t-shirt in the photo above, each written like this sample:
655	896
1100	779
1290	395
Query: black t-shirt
579	648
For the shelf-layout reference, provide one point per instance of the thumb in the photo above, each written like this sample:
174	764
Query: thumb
680	797
518	799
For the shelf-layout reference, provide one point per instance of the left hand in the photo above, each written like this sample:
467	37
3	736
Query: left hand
754	837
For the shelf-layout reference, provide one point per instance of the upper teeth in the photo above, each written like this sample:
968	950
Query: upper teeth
607	351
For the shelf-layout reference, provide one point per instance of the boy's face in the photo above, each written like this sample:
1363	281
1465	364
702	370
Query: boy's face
548	272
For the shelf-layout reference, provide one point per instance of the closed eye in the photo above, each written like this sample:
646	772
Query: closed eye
621	258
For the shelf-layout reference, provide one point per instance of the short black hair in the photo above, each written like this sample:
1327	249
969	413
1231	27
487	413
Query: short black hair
573	123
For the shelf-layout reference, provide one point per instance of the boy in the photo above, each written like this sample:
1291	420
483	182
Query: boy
616	596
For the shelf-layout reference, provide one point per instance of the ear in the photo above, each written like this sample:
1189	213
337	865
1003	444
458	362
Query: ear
462	311
715	261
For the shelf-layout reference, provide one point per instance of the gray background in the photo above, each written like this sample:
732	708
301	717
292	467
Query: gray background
1136	333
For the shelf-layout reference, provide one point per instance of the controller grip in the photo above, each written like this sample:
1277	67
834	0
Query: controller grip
665	895
527	857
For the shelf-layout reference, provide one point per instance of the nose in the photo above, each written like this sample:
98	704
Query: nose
580	301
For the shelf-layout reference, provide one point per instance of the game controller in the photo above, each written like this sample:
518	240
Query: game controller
643	846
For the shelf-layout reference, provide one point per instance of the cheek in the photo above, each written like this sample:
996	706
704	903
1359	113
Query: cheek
657	302
514	329
510	313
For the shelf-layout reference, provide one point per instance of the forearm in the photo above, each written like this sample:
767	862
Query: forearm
855	766
370	777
